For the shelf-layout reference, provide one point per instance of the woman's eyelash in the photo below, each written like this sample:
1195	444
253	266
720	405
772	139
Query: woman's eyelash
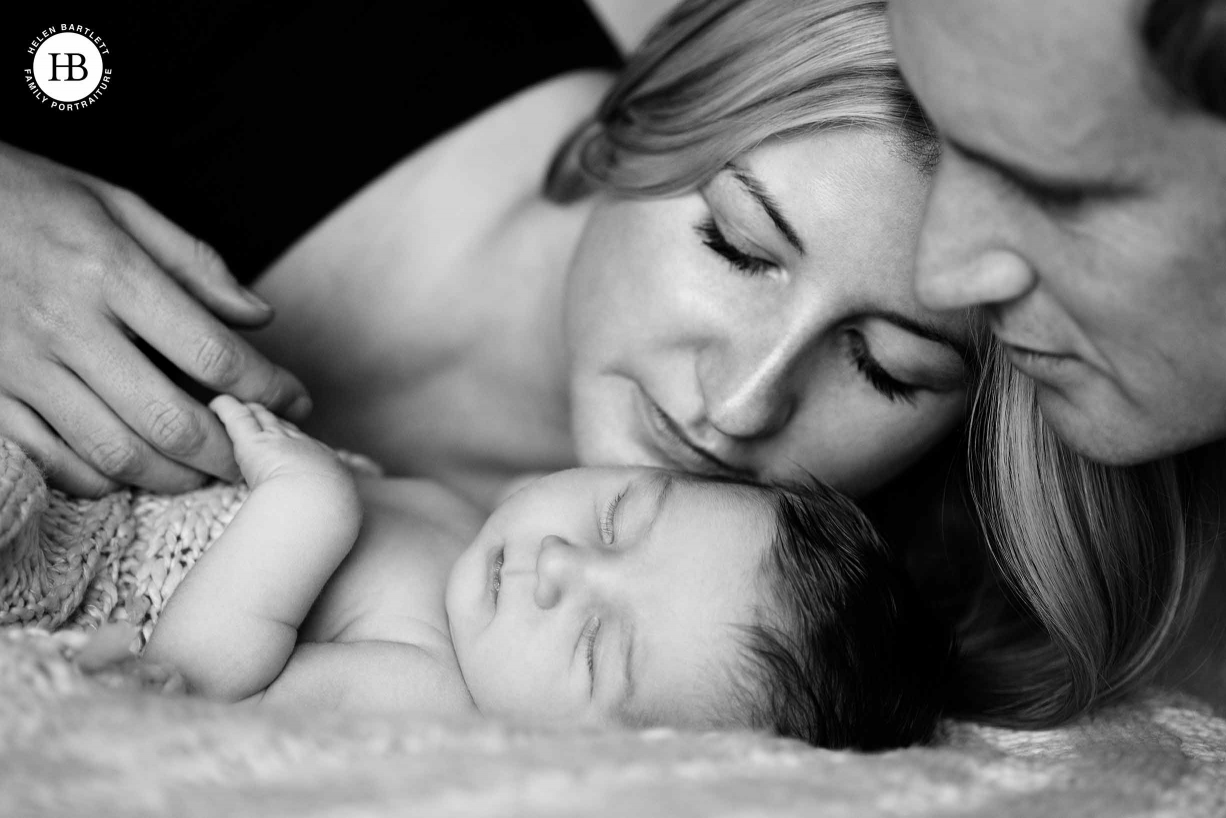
713	238
608	533
873	372
593	628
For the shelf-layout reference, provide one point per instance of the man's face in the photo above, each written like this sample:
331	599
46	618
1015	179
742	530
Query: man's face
1083	208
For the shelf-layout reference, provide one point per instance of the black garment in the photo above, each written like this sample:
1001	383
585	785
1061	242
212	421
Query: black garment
248	122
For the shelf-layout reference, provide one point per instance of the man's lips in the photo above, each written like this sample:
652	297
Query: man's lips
676	446
1041	365
1032	350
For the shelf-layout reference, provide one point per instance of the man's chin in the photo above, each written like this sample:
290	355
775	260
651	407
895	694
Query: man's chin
1107	438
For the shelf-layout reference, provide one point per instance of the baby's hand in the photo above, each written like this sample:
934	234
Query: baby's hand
265	446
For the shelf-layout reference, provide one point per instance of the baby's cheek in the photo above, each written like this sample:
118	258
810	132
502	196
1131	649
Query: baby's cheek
513	692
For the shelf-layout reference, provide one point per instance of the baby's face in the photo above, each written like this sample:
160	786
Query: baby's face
609	596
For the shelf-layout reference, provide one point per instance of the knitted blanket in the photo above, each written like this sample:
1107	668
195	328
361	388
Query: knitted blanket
87	729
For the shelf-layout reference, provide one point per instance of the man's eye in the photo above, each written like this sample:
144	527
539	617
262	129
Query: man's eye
608	530
713	238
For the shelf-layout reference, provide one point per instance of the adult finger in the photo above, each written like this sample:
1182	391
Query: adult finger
193	263
199	345
128	389
87	422
64	468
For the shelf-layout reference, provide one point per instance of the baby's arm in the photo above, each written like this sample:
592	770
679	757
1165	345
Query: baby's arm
233	622
370	676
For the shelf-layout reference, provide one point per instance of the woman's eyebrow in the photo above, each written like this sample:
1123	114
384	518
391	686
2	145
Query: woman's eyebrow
756	189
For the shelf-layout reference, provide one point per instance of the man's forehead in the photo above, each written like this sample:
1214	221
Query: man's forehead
993	73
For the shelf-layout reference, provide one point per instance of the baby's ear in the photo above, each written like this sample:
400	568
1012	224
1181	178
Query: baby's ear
23	497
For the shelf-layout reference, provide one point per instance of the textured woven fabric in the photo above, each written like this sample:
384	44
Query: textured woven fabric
68	563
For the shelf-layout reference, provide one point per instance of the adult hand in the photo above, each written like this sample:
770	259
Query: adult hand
88	270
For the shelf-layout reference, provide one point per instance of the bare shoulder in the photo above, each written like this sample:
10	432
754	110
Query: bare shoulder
392	585
504	153
402	238
628	21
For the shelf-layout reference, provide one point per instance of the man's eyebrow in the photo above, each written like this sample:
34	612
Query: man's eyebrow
768	203
931	332
1056	191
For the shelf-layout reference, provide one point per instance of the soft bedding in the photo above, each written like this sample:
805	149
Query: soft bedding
86	729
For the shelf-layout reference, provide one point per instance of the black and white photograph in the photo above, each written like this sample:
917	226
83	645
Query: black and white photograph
585	408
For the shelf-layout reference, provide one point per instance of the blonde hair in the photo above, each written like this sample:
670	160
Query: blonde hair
718	77
1106	563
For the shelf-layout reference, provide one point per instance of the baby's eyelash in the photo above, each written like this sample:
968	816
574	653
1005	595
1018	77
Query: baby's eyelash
593	628
714	238
608	533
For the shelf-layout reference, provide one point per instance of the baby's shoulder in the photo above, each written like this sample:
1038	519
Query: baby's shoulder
392	585
422	507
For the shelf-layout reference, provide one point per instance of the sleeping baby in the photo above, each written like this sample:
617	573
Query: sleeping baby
595	596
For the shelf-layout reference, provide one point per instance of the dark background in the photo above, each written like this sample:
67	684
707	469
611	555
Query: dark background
246	122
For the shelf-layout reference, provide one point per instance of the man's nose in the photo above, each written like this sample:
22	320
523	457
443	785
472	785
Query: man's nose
560	566
988	277
966	256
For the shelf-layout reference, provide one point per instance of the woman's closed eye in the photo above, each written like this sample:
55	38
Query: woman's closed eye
868	366
715	239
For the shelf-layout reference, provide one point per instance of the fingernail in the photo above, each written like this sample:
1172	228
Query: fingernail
300	408
255	301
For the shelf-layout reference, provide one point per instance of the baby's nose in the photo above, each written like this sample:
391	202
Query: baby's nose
557	567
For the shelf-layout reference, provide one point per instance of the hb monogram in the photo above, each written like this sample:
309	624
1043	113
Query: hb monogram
70	66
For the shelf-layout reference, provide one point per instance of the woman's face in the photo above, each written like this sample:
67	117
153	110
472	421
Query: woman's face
766	323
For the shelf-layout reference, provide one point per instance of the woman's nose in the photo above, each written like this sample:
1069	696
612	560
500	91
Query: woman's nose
746	384
559	568
963	257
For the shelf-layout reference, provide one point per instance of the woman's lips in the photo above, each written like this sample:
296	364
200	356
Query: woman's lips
674	446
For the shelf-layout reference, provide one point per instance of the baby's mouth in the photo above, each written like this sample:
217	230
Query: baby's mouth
496	575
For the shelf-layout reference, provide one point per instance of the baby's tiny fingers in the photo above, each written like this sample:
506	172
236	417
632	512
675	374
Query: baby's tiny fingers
267	420
236	416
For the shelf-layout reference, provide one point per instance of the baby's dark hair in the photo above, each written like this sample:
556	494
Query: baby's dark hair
844	653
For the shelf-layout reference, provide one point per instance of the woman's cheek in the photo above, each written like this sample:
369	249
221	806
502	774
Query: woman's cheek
887	437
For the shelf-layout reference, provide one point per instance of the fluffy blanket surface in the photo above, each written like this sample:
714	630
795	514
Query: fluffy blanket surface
85	731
